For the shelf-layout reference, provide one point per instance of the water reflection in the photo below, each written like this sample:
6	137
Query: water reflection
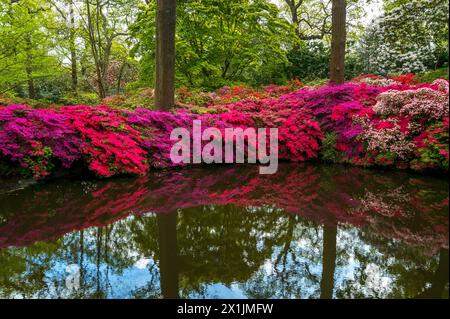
306	232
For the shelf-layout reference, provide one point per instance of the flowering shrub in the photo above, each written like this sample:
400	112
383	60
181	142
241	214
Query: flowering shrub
300	134
421	104
300	137
407	38
387	140
109	144
155	128
34	138
408	78
375	80
399	124
432	146
399	132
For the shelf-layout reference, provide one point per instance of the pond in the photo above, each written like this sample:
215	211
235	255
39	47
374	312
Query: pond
309	231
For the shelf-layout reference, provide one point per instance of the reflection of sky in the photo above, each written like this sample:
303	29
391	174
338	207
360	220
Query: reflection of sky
123	285
377	280
220	291
131	279
305	248
120	286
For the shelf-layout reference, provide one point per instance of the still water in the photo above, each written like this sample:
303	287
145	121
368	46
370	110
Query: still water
228	232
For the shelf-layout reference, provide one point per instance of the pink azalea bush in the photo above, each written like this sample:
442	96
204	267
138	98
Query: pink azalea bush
402	125
155	128
109	144
420	104
432	146
31	137
396	123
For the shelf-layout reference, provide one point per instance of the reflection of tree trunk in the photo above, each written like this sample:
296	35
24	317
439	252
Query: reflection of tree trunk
328	261
287	244
108	230
165	54
440	278
81	258
168	255
99	252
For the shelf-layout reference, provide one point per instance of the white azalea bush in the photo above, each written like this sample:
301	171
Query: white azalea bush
407	38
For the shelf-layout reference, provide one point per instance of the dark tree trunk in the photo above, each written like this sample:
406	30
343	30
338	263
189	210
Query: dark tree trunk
168	255
440	278
328	262
165	54
29	68
293	7
73	52
96	47
31	88
338	40
73	57
119	78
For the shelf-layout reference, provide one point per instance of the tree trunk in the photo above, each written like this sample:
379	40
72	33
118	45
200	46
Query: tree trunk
29	68
119	78
328	262
73	52
165	54
95	44
168	255
338	39
295	22
31	88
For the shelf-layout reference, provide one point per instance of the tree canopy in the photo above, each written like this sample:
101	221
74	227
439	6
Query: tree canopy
69	51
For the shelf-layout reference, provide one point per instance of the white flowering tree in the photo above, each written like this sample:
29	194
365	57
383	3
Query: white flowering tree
409	37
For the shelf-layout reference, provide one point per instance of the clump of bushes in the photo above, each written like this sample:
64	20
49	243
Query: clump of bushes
394	124
431	76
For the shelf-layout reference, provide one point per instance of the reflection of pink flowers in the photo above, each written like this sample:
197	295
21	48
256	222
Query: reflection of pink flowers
394	206
444	153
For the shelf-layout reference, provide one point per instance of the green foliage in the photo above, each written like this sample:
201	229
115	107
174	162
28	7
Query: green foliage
317	82
25	45
7	169
219	42
431	76
329	152
49	55
309	61
83	98
141	98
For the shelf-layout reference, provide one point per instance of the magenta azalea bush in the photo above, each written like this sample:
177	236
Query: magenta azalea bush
395	123
33	138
